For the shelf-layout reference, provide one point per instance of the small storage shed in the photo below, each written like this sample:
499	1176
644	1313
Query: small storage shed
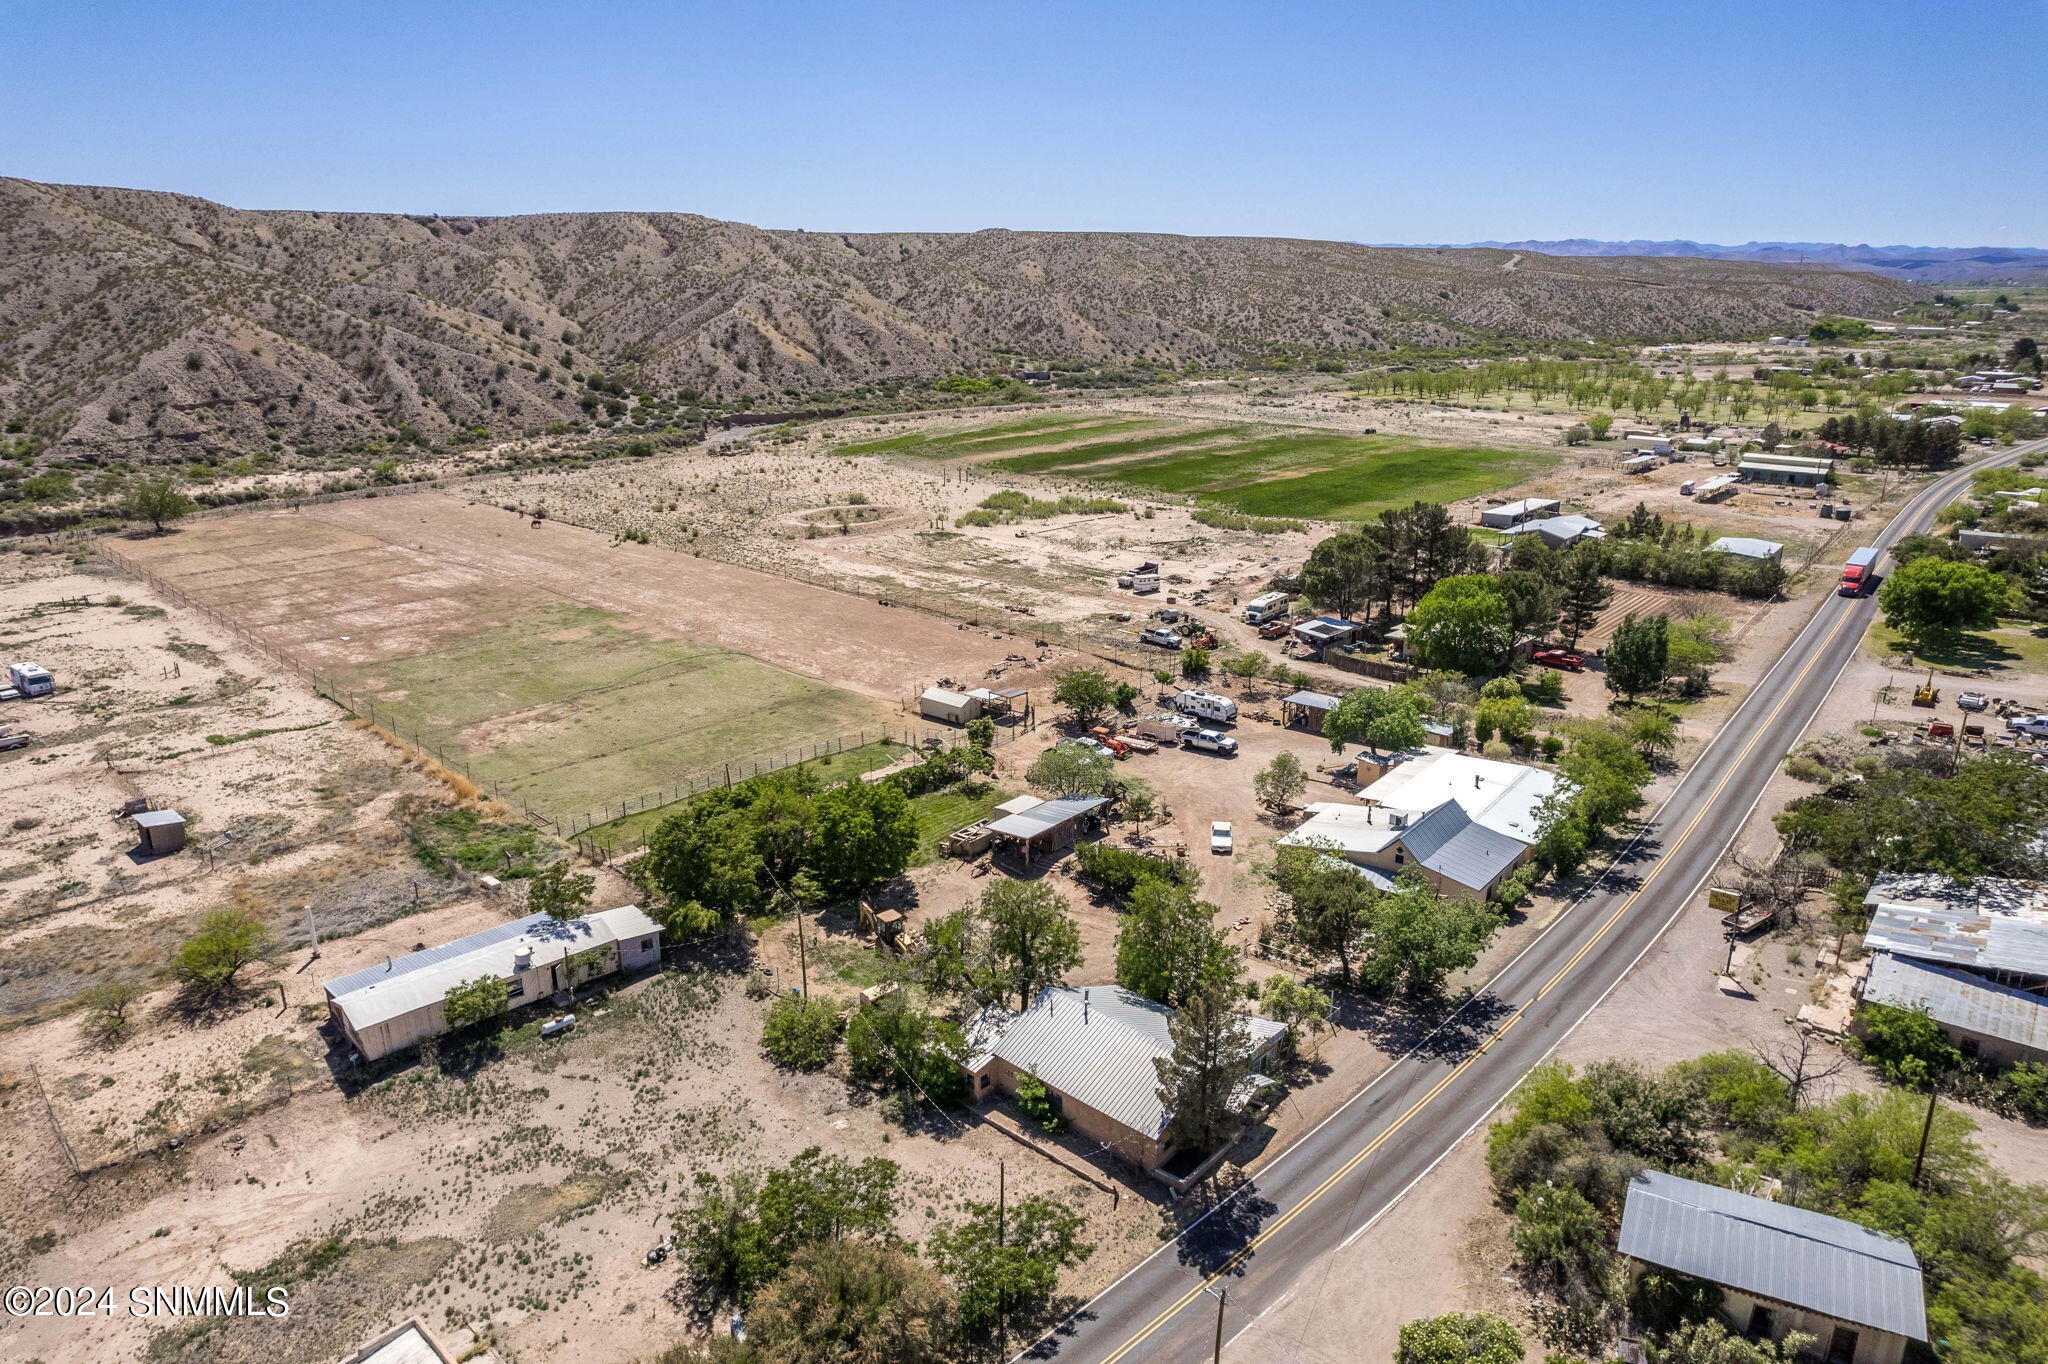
1515	513
161	831
949	707
1324	631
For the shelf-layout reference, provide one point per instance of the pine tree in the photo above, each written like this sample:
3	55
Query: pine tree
1586	594
1212	1054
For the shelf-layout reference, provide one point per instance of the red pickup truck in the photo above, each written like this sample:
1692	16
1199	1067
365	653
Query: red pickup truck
1559	658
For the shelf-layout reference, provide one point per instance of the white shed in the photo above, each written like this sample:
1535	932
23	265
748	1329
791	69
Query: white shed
951	707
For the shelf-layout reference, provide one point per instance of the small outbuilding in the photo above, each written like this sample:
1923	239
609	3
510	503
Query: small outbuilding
161	831
949	707
1325	631
1307	708
1797	471
1560	532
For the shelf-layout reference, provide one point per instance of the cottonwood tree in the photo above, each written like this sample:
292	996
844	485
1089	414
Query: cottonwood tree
1382	718
1638	660
157	500
1210	1058
866	834
1932	602
1072	770
1032	940
1329	903
1416	937
1463	625
1168	947
1582	594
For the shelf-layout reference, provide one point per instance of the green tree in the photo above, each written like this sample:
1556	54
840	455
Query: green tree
1087	694
1639	657
1907	1047
1345	573
1281	783
1211	1056
1582	594
801	1033
227	942
1932	602
1010	1262
1601	423
107	1009
1459	1338
1462	624
867	833
894	1045
475	1001
157	500
1032	940
1303	1008
1329	904
739	1233
558	892
702	870
1382	718
1711	1342
851	1302
1416	937
1168	947
1072	770
981	733
1194	662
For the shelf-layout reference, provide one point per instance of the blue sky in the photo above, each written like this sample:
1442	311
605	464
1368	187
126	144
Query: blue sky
1438	121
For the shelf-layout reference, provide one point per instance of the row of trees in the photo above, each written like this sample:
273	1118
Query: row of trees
1391	561
1645	547
1564	1154
1890	441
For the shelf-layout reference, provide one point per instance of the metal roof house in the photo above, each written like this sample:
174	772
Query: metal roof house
1092	1048
382	1009
1782	1269
1974	956
1560	532
1800	471
1464	822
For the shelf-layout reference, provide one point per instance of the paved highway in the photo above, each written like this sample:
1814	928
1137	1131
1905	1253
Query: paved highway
1333	1183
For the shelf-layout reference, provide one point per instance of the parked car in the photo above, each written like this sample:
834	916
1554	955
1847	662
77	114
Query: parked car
1209	741
1165	639
1972	700
2036	725
1219	836
10	742
1273	629
1559	658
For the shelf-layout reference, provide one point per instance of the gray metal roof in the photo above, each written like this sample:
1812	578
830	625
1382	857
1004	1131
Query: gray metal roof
1044	818
1959	1000
1096	1046
158	819
1314	700
1450	843
1747	546
1806	1259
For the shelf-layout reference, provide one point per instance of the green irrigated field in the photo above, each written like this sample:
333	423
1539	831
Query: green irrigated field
1277	472
565	708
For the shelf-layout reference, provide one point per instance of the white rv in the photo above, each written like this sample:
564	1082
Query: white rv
1259	610
1206	704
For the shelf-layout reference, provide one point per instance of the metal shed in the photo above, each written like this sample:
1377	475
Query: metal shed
952	707
161	831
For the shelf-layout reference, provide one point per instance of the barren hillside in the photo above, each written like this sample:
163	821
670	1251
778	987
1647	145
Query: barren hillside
141	325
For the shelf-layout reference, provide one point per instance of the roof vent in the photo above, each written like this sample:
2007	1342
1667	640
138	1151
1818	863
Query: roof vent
1397	820
522	956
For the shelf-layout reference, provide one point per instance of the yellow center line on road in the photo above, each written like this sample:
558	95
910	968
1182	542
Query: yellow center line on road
1314	1195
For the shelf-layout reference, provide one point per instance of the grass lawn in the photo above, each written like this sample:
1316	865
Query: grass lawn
949	443
566	708
939	813
2020	648
630	832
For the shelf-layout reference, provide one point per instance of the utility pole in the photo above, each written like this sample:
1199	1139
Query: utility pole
1222	1296
313	931
802	954
1002	1297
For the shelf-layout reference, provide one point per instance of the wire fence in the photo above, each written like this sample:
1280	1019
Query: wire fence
567	826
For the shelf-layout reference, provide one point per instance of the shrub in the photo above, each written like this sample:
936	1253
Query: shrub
1117	871
1036	1102
800	1033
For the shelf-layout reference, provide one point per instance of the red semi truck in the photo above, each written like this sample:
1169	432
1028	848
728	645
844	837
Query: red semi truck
1859	573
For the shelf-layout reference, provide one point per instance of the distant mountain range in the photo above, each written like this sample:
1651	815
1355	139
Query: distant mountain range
1926	264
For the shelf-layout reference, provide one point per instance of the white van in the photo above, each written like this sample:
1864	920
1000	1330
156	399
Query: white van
1206	704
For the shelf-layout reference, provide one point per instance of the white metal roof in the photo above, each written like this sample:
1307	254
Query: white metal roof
1497	795
1808	1259
1528	506
1046	816
944	696
1989	924
376	994
1096	1046
1747	546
